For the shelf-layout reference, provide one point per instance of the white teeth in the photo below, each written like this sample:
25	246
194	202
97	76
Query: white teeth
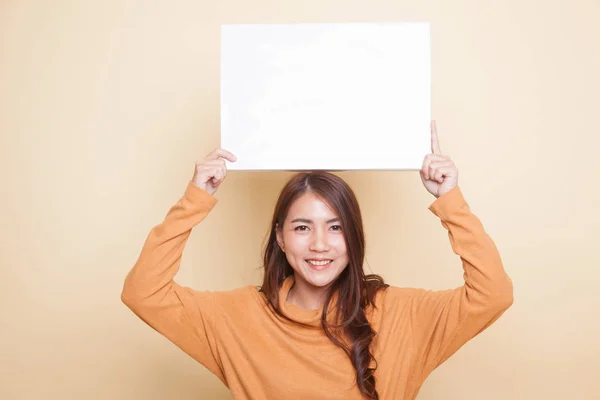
319	262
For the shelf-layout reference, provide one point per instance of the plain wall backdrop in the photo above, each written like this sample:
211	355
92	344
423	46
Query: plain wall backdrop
105	106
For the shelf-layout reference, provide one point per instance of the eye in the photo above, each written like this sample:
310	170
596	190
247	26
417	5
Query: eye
300	228
338	227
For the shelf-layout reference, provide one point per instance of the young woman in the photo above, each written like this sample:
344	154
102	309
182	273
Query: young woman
317	327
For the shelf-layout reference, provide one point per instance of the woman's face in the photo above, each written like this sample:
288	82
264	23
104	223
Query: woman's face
313	242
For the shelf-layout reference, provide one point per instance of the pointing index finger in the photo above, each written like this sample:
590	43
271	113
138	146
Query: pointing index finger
215	154
435	144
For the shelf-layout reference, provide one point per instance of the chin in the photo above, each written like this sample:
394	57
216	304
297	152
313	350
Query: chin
321	279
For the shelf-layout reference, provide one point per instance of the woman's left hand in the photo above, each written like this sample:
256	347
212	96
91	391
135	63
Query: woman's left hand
439	174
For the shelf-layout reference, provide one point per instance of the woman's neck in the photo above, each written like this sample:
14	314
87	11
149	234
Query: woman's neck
307	296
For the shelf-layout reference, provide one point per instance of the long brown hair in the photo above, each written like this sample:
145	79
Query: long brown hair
355	290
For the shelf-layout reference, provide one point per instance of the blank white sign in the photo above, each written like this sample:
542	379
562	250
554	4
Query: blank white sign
340	96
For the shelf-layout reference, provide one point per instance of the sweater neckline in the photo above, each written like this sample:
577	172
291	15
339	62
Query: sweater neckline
310	318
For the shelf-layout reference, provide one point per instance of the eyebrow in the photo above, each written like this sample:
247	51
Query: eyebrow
308	221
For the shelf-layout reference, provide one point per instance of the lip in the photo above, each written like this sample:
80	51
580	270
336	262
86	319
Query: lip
319	267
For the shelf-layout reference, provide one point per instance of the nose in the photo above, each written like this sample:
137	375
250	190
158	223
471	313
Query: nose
319	241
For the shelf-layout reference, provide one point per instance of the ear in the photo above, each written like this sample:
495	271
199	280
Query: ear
279	237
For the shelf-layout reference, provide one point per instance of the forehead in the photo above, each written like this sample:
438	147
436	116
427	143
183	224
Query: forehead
311	207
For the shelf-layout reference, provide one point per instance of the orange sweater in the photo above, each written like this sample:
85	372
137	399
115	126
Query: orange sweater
260	356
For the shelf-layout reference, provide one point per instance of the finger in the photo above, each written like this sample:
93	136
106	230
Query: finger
430	158
218	176
439	164
438	176
437	157
443	172
216	153
431	173
211	164
435	144
216	172
208	173
216	163
220	163
425	167
215	178
434	167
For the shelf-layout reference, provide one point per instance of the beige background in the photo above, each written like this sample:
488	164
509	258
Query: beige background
105	105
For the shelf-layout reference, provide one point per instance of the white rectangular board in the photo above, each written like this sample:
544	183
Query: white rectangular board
326	96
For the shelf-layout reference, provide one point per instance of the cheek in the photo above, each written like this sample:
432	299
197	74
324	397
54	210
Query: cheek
296	243
339	244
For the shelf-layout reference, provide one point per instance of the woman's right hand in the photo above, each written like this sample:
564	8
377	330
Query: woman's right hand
211	171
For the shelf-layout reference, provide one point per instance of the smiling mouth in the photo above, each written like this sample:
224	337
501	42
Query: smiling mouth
319	264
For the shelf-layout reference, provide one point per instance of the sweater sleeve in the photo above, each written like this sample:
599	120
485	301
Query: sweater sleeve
443	321
182	315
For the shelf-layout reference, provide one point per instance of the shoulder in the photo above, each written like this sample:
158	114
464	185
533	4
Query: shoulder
236	295
393	296
240	308
395	299
239	300
395	306
391	299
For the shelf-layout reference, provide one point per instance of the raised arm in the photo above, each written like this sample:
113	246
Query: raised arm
183	315
443	321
